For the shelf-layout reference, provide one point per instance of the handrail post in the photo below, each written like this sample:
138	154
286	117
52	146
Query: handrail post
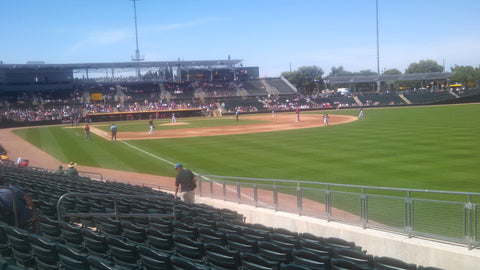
475	225
211	189
224	187
238	191
364	208
200	185
255	193
299	199
408	215
275	196
328	202
468	222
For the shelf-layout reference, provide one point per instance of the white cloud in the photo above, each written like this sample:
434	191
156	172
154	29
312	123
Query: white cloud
179	26
101	38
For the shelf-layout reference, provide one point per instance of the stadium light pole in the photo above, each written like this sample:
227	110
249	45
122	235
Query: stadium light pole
378	53
137	51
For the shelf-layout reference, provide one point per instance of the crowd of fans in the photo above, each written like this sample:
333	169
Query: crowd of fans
228	97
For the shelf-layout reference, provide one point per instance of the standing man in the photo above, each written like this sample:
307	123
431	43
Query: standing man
297	112
113	129
237	111
187	180
174	120
87	132
325	119
360	115
150	132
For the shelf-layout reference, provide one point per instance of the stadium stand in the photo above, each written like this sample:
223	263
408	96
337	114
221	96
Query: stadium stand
186	237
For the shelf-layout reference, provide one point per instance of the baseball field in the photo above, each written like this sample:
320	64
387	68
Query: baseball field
433	147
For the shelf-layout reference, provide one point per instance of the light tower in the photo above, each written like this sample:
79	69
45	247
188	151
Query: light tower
137	57
378	54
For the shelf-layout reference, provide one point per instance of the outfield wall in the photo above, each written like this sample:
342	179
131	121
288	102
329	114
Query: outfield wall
377	243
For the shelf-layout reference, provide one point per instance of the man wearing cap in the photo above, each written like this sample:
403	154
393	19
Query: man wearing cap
72	171
187	180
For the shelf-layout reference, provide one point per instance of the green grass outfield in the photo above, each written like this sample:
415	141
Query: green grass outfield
435	147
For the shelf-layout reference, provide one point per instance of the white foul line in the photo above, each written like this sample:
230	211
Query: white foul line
171	163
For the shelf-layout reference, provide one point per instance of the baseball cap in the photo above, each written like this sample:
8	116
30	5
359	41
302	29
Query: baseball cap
178	166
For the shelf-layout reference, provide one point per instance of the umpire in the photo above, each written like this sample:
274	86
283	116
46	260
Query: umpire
187	180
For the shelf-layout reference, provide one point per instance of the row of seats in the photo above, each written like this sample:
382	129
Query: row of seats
30	251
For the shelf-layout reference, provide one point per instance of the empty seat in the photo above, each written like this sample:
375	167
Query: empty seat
162	224
242	244
44	251
220	257
109	226
50	228
71	259
179	263
133	233
186	247
95	243
123	253
204	222
20	246
152	259
159	240
342	264
255	234
97	263
252	261
71	235
208	235
316	247
184	229
421	267
311	260
353	255
292	266
274	252
283	240
4	247
339	243
388	263
228	228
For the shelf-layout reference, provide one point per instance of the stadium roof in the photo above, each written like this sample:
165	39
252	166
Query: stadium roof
390	77
142	64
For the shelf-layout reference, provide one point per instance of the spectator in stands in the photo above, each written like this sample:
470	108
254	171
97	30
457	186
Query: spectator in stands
60	170
72	171
187	180
25	211
113	130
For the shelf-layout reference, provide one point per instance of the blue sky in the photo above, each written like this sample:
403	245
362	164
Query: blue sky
273	35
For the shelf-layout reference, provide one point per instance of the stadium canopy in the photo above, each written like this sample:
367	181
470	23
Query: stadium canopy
125	65
389	78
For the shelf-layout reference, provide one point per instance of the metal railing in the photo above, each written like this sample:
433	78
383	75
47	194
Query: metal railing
445	216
